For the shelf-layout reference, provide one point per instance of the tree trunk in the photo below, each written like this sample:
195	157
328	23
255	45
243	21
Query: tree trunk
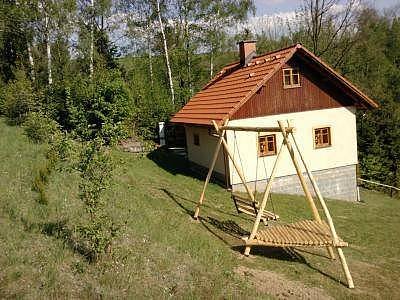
188	56
211	63
31	62
150	64
171	85
91	54
48	47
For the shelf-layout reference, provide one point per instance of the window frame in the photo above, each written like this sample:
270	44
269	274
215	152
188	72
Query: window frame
329	134
196	139
291	76
267	153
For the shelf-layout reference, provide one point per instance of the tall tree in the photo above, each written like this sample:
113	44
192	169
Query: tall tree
327	28
216	16
166	54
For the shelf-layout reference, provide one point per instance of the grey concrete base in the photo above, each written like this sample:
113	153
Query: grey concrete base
337	183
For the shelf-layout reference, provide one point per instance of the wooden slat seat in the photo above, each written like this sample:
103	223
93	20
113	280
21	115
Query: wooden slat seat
302	233
248	207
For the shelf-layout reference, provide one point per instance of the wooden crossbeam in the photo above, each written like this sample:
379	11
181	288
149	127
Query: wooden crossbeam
256	129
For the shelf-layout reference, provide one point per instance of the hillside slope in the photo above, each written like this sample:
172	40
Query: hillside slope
161	252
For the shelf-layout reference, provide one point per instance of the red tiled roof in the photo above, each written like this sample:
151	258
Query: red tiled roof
235	84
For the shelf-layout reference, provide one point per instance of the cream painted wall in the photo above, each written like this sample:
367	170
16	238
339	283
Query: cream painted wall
343	151
203	154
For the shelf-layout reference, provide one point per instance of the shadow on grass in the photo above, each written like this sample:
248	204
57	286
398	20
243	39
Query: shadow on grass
178	198
60	230
221	229
176	164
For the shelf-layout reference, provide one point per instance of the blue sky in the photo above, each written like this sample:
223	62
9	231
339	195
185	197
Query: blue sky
278	6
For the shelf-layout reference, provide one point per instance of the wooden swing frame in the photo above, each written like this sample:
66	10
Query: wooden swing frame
329	228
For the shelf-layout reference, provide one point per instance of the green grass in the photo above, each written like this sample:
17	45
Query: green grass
160	251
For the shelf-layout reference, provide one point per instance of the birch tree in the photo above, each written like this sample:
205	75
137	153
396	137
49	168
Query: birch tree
91	54
161	27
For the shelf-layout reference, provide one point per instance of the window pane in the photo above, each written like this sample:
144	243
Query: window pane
296	79
287	80
322	137
267	145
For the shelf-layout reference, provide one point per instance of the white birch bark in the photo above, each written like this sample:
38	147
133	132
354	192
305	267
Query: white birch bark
150	64
48	46
211	63
91	54
31	62
171	85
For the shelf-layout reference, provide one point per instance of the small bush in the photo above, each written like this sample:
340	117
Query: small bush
19	99
96	167
40	128
40	182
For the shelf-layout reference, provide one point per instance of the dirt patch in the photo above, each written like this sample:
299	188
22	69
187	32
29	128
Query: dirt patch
278	286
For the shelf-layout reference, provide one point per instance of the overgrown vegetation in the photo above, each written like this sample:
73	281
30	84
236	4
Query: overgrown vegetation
95	166
159	251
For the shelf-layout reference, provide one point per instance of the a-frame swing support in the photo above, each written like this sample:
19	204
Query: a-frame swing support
287	132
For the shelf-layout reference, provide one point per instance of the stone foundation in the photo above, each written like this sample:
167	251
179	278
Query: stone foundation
336	183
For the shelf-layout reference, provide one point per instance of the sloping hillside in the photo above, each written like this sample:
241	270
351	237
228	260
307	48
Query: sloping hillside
160	251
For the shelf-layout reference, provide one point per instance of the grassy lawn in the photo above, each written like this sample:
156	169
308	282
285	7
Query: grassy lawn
161	252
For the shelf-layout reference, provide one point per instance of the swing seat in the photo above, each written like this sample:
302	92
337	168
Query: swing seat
248	207
300	234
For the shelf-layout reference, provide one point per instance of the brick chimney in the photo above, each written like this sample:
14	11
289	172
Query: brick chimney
247	50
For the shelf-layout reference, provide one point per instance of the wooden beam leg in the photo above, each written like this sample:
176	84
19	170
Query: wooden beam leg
319	196
210	170
303	183
345	267
300	174
264	200
237	168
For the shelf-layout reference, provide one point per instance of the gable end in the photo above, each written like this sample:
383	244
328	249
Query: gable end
316	91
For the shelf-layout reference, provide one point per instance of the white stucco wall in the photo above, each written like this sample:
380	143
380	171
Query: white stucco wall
202	154
343	151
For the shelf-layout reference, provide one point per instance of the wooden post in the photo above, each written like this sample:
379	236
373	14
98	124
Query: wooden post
329	219
345	268
238	170
300	174
319	196
210	170
264	200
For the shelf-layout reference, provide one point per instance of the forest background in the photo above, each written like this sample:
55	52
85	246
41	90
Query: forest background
101	70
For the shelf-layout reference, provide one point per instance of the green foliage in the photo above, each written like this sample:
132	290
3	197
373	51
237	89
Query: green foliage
19	99
96	171
95	237
40	182
40	128
99	107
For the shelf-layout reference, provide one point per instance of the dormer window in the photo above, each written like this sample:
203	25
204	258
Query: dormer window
291	78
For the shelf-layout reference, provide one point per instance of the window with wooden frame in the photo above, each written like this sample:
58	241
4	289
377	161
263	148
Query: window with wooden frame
322	137
267	145
291	78
196	139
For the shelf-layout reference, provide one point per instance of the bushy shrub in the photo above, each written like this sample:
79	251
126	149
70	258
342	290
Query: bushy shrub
40	128
99	108
96	171
19	98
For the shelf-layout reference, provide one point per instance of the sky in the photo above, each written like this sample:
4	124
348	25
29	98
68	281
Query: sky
268	7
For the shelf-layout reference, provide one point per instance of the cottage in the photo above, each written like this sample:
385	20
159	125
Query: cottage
290	83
